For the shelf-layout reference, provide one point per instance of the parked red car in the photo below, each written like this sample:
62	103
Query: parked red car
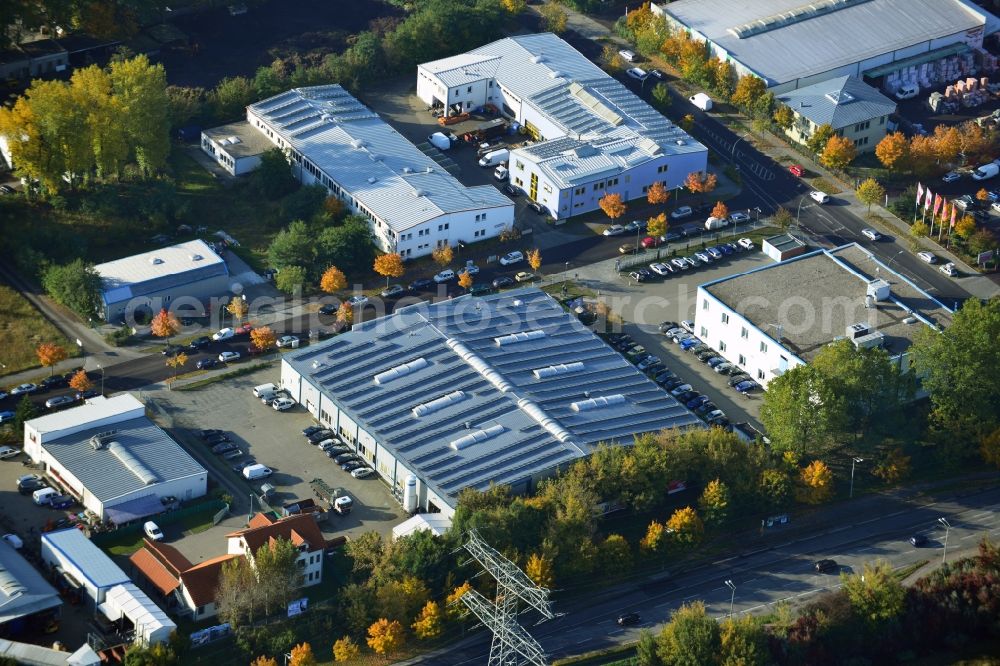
651	241
243	330
797	170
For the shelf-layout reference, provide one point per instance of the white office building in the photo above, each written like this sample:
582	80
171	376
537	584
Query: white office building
110	456
413	205
593	136
771	319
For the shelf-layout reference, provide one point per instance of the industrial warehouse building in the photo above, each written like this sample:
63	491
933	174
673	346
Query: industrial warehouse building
593	136
72	556
472	391
27	602
187	274
774	318
412	204
110	456
792	43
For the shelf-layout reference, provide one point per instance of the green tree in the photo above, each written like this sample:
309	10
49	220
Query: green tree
358	602
293	246
714	502
184	105
141	88
401	600
348	246
273	178
774	489
278	574
554	17
230	98
870	192
782	218
743	642
290	279
958	366
614	555
645	649
662	97
160	654
25	411
802	412
270	80
75	285
819	138
876	593
691	638
237	597
306	203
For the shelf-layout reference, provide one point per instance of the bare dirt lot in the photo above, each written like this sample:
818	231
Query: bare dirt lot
224	45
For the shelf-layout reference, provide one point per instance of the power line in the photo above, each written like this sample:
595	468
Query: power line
512	645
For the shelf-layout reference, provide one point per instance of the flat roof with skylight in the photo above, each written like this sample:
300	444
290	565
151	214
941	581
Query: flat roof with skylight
473	391
159	269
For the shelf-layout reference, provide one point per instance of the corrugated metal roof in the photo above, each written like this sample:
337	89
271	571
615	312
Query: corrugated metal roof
23	590
91	561
538	428
372	161
806	42
159	269
839	102
138	455
607	128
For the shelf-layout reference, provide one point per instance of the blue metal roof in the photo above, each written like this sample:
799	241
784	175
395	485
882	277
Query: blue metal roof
90	561
473	391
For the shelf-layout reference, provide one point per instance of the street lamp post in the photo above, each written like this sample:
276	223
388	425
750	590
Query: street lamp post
732	597
947	529
101	368
799	209
854	461
732	153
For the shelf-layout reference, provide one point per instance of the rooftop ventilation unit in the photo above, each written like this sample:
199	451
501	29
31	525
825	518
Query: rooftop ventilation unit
480	366
537	58
878	289
357	144
195	257
876	339
516	303
855	331
399	371
476	437
839	97
10	585
555	74
371	180
523	336
98	441
598	402
419	193
407	170
438	404
156	261
234	140
146	475
555	370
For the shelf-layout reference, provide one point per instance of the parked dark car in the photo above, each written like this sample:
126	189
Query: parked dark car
696	402
328	309
747	386
671	384
538	208
211	432
320	435
62	502
736	379
216	439
88	394
344	457
225	447
171	350
511	191
706	408
54	381
30	484
503	281
351	465
207	363
312	430
421	284
918	540
686	396
200	342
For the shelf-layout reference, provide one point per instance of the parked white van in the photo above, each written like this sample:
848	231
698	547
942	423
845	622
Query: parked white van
259	391
494	158
43	496
627	56
716	223
257	471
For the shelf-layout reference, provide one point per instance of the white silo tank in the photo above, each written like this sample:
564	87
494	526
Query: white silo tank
410	494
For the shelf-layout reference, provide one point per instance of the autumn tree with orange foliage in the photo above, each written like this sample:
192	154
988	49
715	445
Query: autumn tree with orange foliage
465	280
390	265
657	194
49	354
893	151
698	181
838	152
612	205
263	338
80	381
385	637
333	280
720	210
301	655
164	324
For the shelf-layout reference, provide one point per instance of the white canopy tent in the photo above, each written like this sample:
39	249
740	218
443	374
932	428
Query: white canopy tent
151	624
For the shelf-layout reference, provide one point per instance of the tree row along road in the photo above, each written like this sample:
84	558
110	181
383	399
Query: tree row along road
784	572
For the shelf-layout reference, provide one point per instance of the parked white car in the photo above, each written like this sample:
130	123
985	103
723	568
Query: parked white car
281	404
511	258
8	452
358	301
660	269
746	243
614	230
223	334
681	213
229	356
951	176
948	269
447	275
637	73
287	341
739	217
152	530
927	257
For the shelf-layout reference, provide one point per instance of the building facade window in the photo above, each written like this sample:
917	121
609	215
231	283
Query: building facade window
743	360
722	345
704	332
744	333
725	317
763	348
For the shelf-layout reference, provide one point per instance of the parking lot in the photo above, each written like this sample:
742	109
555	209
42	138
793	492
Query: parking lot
644	306
274	439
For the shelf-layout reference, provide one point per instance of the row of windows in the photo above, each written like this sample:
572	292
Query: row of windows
861	142
859	127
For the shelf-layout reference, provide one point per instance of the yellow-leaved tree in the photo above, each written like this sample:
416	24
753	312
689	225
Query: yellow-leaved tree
345	649
453	606
894	468
535	259
49	354
385	637
654	540
697	181
443	255
164	324
657	225
816	483
539	570
390	265
175	362
333	280
238	309
264	661
345	313
302	655
430	622
465	281
612	205
263	338
838	152
686	528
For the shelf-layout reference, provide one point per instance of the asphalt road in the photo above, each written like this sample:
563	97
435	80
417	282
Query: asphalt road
784	572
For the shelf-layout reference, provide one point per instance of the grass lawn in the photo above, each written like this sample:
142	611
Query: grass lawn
23	328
